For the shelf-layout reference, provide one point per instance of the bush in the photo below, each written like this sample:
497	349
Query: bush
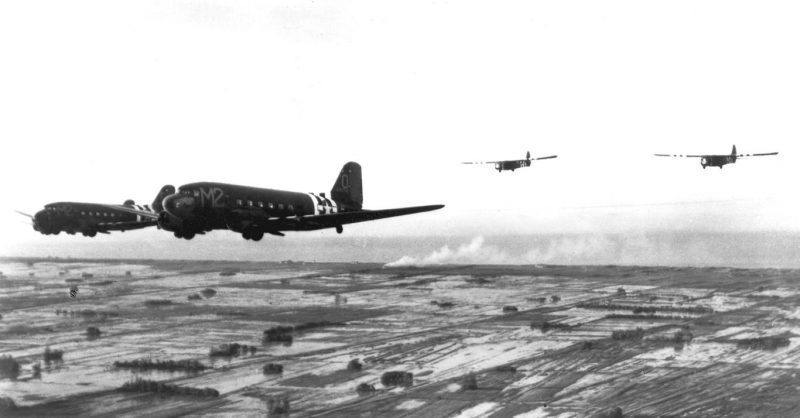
355	365
621	291
278	334
397	378
93	332
231	350
469	382
9	367
273	368
628	334
365	389
161	388
763	343
278	405
167	365
510	308
154	303
587	345
545	326
37	371
506	368
53	355
644	309
228	273
208	292
444	305
195	296
682	336
555	298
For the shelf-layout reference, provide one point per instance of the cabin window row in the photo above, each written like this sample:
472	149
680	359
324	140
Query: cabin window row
98	214
269	205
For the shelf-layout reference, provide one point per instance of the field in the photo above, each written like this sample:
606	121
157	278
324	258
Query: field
505	341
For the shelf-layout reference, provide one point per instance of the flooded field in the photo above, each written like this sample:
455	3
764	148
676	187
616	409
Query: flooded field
162	338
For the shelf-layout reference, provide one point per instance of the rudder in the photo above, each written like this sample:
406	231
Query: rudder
347	192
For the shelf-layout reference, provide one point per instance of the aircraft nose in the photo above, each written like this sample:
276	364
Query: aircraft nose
41	220
178	205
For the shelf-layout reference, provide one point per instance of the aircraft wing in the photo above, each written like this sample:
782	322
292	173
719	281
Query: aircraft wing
688	156
142	213
332	220
116	226
757	155
546	158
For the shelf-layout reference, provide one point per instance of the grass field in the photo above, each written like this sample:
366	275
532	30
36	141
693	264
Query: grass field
583	340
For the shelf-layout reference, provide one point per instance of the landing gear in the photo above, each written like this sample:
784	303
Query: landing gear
188	235
253	234
339	229
89	233
177	234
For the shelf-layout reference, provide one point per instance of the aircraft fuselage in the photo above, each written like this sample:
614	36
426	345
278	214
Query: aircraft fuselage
511	164
86	218
717	160
205	206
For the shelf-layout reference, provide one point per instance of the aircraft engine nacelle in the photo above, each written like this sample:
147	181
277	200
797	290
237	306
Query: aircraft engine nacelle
169	222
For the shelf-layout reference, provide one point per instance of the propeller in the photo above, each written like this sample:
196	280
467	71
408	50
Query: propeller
24	214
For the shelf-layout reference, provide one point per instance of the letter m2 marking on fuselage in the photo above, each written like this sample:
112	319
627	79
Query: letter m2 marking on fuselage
212	195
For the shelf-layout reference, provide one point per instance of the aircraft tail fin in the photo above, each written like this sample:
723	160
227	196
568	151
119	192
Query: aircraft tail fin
528	155
165	191
347	192
733	153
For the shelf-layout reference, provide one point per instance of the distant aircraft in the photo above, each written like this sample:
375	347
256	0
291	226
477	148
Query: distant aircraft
718	160
512	164
201	207
91	218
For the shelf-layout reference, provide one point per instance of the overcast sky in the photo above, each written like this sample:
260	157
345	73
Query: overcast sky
104	101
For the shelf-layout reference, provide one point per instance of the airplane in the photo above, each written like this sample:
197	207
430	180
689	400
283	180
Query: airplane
92	218
718	160
201	207
512	164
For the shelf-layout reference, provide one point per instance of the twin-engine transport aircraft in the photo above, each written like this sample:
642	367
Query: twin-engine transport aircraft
512	164
201	207
91	218
718	160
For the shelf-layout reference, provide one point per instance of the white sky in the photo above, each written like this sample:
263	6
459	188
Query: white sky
104	101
